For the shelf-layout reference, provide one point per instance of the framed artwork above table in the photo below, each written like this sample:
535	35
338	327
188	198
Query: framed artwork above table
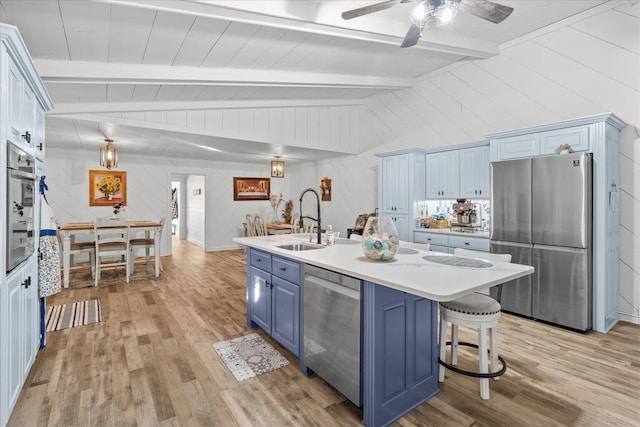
107	188
251	188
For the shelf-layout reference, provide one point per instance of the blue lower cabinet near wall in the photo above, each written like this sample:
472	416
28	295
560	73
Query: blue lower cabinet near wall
400	353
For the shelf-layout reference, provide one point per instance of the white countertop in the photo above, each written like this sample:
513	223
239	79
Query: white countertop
481	234
409	273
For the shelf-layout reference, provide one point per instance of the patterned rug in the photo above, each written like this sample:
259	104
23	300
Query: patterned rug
71	315
249	356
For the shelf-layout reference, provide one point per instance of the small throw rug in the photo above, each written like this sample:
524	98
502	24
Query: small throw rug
249	356
72	315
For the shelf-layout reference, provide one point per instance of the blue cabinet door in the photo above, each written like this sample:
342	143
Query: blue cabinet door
286	314
400	350
260	298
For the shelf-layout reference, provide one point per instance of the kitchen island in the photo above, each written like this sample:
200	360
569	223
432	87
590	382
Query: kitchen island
399	311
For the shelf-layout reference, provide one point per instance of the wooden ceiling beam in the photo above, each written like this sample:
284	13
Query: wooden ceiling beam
66	108
55	71
325	22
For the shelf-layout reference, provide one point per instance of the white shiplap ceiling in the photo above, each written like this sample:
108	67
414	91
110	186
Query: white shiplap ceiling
99	59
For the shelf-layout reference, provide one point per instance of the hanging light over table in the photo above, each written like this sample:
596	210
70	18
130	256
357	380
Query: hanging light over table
277	168
108	155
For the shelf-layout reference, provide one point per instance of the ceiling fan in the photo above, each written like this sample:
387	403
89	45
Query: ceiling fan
432	13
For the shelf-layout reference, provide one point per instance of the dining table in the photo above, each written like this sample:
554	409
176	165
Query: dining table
71	229
279	228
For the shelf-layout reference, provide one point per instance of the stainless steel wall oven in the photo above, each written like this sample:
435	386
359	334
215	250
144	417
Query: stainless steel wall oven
21	182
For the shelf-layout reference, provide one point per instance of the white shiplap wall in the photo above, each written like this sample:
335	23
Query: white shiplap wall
590	66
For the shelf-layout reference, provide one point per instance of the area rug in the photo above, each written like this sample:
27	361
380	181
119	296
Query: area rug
249	356
71	315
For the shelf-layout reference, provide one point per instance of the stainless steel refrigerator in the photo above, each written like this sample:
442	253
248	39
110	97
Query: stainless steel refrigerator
541	215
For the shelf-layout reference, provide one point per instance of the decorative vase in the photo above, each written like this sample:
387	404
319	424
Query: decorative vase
274	216
109	197
380	238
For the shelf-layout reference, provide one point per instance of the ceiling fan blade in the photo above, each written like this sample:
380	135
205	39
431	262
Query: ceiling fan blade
412	37
354	13
486	9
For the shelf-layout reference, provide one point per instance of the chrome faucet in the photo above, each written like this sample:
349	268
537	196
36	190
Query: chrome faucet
311	218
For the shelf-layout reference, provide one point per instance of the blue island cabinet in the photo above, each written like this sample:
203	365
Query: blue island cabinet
273	292
400	353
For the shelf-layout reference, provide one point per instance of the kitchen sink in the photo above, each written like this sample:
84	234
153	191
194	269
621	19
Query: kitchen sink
300	247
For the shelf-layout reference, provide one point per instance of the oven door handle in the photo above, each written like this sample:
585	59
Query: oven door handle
22	174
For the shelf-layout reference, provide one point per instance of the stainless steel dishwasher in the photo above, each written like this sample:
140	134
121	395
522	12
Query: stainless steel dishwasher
331	345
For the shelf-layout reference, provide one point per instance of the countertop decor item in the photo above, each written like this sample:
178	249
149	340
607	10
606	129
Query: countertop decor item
275	201
286	213
117	207
380	238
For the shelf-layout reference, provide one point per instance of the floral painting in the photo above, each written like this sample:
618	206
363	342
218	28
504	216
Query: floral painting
107	188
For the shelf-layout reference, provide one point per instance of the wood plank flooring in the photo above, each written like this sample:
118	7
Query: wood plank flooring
150	362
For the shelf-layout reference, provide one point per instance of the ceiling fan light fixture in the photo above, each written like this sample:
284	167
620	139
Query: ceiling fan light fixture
432	13
447	12
419	13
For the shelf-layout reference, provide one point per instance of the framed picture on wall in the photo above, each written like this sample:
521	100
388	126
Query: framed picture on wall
251	188
107	188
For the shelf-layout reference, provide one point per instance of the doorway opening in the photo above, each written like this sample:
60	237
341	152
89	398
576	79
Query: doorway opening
188	208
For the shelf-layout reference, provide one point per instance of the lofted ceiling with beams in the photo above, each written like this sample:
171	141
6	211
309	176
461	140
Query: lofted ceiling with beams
101	59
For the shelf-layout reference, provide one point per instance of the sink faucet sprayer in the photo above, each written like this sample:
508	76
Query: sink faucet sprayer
313	219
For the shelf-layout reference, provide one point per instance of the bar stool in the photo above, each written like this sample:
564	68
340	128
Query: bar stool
476	311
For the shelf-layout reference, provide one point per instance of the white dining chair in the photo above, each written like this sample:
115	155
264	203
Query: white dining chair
259	225
295	223
78	248
413	245
147	243
475	311
249	224
112	243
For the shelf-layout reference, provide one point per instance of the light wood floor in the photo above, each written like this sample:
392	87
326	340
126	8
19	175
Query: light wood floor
150	362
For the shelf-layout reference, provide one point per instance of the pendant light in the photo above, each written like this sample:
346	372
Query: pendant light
108	155
277	168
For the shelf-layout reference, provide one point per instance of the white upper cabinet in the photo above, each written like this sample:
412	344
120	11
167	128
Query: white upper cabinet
401	181
474	173
14	102
576	137
395	184
38	133
541	143
519	146
443	175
